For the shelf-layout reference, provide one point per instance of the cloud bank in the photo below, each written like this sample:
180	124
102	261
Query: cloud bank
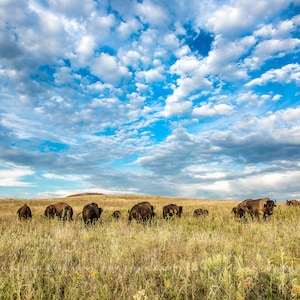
182	99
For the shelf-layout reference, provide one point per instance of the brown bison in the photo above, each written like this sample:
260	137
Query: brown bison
61	210
116	215
256	207
292	202
141	212
91	213
171	210
24	212
200	212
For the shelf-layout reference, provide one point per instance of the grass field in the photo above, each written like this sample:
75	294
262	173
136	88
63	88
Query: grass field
213	257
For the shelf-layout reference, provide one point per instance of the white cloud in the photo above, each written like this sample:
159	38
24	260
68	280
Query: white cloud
177	108
248	97
152	14
248	185
130	58
125	29
211	110
100	26
282	30
141	88
288	73
171	41
270	183
252	99
12	175
224	55
50	23
232	20
269	49
73	8
85	47
290	115
276	97
152	75
193	76
186	66
109	69
64	177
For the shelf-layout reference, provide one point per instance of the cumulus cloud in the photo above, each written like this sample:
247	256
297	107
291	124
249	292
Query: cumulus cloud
286	74
109	69
284	29
272	48
151	13
233	20
152	75
210	110
125	29
192	78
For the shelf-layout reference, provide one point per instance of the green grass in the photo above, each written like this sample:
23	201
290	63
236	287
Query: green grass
214	257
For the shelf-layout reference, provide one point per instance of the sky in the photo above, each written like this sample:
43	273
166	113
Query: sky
181	98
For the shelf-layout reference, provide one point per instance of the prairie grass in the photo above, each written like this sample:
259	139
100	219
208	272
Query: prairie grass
213	257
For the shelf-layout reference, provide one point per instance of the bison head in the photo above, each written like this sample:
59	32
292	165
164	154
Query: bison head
269	205
50	211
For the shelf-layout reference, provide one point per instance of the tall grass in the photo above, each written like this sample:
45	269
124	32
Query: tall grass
214	257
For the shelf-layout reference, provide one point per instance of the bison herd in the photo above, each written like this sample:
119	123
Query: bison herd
144	211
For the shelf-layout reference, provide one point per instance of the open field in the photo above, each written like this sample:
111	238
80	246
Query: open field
214	257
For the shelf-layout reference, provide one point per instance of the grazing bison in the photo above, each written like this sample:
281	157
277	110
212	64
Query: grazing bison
91	213
200	212
292	202
171	210
141	212
61	210
116	215
256	207
24	212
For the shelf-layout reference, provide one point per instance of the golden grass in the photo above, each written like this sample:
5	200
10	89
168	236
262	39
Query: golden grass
214	257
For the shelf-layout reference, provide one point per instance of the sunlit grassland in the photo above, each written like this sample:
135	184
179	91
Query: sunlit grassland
214	257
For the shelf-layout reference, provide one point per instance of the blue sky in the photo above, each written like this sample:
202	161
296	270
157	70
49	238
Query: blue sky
178	98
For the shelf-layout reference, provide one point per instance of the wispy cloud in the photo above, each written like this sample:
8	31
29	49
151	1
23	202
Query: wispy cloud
13	175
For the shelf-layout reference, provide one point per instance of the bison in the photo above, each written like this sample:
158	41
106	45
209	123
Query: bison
91	213
292	202
141	212
171	210
61	210
24	212
200	212
256	207
116	215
